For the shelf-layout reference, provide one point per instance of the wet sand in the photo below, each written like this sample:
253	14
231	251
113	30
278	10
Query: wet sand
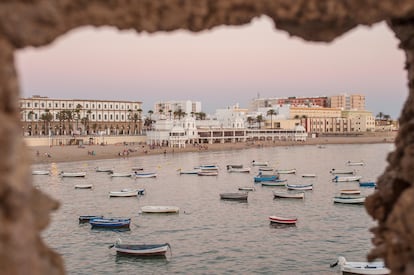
45	154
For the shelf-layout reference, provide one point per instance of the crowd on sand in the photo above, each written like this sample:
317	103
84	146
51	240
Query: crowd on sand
68	153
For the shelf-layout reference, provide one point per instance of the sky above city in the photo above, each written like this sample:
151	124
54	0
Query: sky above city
220	67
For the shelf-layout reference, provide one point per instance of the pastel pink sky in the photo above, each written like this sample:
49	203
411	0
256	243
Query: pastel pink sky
220	67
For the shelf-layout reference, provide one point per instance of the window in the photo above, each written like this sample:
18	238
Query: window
50	105
110	117
99	117
35	105
116	117
105	117
93	116
63	105
28	104
56	105
87	105
99	106
116	106
104	106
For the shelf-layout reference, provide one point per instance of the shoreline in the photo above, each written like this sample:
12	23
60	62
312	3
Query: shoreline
73	153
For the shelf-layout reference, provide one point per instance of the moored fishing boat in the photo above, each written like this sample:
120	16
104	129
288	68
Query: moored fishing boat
367	184
73	174
127	193
308	175
239	170
145	175
110	223
84	186
141	250
283	220
121	174
289	195
349	199
350	192
239	196
40	172
299	186
277	182
355	163
159	209
103	169
247	188
258	163
188	172
286	171
207	173
354	268
346	178
262	177
340	171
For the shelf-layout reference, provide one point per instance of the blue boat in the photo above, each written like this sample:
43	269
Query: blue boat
367	184
110	223
260	178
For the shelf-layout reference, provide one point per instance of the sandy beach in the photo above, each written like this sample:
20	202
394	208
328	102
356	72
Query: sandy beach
55	154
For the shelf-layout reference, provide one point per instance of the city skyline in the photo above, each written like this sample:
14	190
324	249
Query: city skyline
220	67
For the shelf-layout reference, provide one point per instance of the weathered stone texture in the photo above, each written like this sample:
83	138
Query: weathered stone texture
24	211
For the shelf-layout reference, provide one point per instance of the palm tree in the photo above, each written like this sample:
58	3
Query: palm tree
47	117
250	120
149	122
179	113
30	116
139	111
380	115
271	113
69	118
259	119
77	116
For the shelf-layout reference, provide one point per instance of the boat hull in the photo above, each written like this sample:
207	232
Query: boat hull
282	220
142	250
288	195
160	209
234	196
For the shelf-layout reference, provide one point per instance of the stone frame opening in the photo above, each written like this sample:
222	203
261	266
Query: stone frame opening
25	210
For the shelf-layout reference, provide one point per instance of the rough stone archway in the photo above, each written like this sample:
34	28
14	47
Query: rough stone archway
24	211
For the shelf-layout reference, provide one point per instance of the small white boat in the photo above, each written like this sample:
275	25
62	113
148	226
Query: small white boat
208	167
282	220
349	199
72	174
121	175
266	168
137	169
258	163
140	250
239	170
299	186
308	175
207	173
289	195
238	196
126	193
234	166
103	169
40	172
367	268
146	175
188	172
285	171
346	178
247	188
84	186
160	209
350	192
279	182
344	172
355	163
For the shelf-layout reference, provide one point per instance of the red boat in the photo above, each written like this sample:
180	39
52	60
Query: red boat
282	220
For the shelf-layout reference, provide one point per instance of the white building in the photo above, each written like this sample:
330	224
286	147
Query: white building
167	108
44	116
173	133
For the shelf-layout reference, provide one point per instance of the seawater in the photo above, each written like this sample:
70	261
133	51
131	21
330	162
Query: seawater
209	235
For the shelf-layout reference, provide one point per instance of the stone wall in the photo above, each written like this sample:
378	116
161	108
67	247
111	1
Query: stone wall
24	211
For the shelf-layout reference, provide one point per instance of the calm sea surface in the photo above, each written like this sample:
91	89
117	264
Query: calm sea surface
209	235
